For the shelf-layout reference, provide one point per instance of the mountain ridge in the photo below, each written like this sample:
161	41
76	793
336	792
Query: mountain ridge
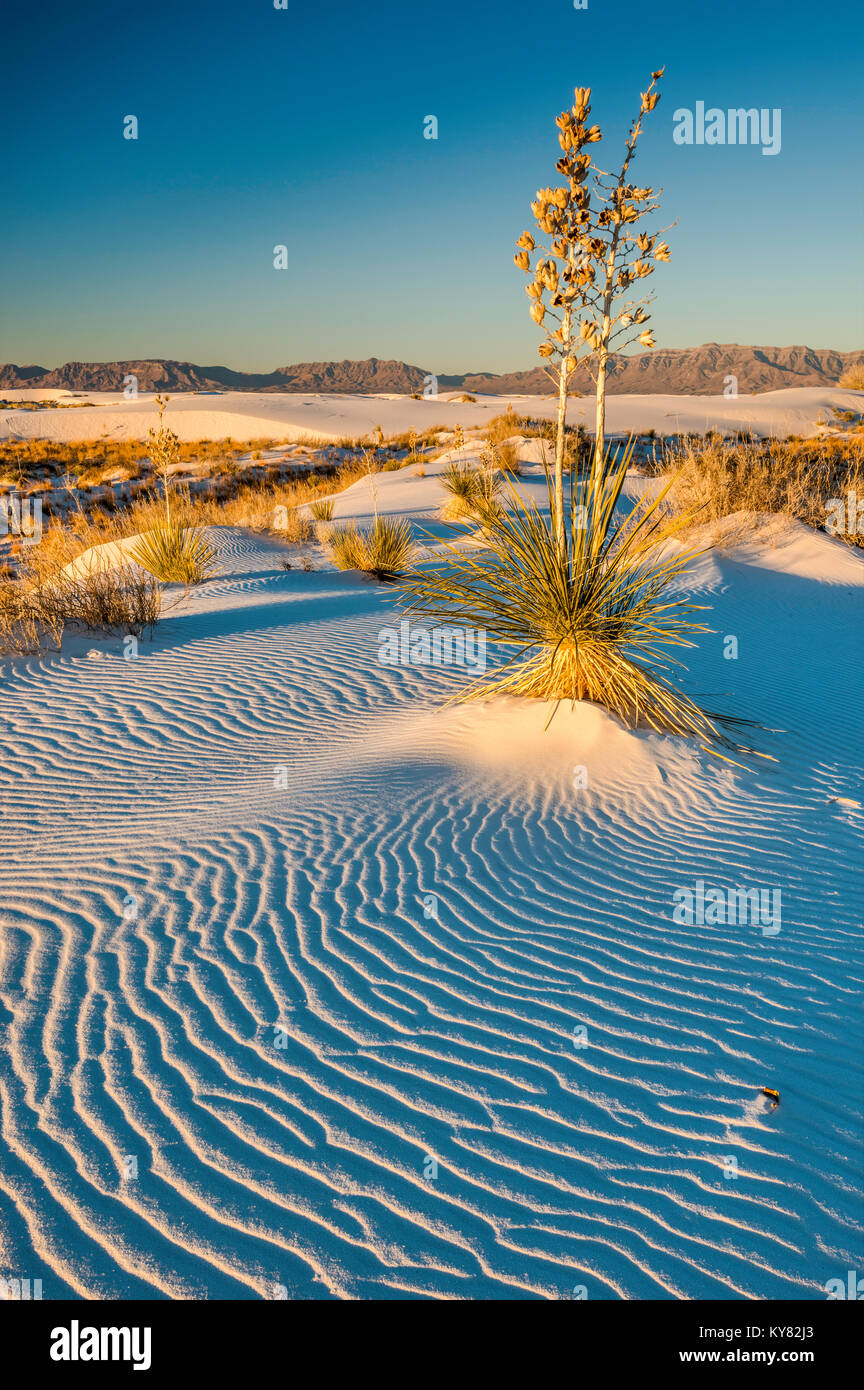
669	371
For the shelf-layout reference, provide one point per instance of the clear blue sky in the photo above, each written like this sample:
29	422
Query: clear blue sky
305	127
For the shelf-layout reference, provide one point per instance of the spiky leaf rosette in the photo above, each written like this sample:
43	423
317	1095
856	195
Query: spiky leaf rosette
175	553
384	549
595	621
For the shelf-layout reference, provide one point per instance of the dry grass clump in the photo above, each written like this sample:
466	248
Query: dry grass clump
382	550
176	554
503	427
38	604
590	621
505	457
853	378
794	478
323	510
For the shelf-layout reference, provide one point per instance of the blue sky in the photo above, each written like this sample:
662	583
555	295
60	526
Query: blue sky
304	127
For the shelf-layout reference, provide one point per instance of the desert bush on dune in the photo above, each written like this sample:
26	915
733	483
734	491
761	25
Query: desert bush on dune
503	427
41	601
853	378
593	621
804	479
321	511
383	550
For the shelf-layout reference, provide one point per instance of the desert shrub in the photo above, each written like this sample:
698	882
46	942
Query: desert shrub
176	554
40	602
590	621
383	550
109	600
853	378
346	547
798	479
503	427
506	457
323	510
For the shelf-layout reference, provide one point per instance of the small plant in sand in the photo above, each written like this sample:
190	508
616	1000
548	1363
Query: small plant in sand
468	489
382	550
175	553
594	621
322	511
581	280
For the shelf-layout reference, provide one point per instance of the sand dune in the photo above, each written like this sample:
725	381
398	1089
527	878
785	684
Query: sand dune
255	826
247	415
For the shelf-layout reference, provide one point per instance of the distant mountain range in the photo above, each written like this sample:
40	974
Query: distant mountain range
675	371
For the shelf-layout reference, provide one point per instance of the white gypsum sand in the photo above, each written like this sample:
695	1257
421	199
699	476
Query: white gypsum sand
255	415
309	983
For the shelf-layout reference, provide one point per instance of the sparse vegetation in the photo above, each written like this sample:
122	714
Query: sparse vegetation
323	510
469	490
39	601
717	479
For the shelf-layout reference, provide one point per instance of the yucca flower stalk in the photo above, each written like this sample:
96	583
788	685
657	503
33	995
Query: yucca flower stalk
595	620
164	451
589	262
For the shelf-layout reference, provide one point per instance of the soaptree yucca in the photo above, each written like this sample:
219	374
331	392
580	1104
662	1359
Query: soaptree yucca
581	281
175	553
593	621
382	550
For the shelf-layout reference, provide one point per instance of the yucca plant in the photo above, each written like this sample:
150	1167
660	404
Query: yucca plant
592	621
175	553
469	490
383	550
322	510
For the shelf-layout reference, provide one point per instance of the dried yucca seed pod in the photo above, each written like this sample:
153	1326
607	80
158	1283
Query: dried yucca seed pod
545	349
538	311
522	260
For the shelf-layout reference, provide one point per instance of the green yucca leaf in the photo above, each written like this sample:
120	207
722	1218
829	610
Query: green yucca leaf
383	550
176	554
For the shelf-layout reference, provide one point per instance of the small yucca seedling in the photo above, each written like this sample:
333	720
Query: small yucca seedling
322	511
593	621
469	490
459	483
383	550
176	554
